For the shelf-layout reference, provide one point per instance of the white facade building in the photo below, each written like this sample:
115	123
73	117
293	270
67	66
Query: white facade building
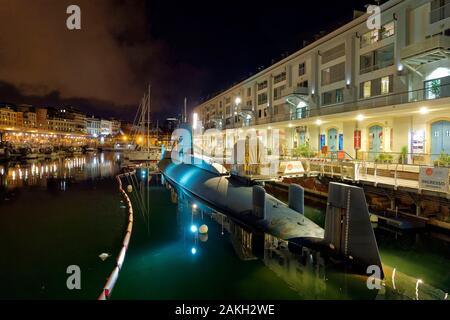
93	126
106	127
356	90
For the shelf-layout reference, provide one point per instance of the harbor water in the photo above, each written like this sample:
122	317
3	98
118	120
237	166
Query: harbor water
69	211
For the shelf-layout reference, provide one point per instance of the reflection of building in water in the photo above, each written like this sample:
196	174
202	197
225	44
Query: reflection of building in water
37	173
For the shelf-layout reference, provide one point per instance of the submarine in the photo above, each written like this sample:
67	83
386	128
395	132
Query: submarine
348	234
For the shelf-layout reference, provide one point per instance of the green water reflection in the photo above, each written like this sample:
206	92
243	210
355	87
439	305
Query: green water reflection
161	265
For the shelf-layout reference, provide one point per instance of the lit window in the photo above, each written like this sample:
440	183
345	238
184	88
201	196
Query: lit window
387	30
385	85
367	89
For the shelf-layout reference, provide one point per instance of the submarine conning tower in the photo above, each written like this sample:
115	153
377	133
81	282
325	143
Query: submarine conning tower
348	230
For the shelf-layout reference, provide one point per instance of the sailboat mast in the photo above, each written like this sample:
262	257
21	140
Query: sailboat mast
148	119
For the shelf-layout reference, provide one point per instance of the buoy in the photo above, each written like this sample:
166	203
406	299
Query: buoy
203	229
130	188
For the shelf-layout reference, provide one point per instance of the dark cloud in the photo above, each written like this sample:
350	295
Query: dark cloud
106	65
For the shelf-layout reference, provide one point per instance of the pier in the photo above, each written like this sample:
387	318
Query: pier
394	192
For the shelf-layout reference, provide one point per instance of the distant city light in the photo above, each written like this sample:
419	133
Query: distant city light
238	100
360	117
194	228
193	250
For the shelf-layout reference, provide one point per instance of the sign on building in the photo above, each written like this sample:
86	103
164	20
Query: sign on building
432	178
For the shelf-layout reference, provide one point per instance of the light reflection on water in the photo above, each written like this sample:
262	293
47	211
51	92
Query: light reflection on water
39	172
258	266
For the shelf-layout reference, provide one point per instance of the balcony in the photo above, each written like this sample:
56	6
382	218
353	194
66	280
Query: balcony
427	51
296	113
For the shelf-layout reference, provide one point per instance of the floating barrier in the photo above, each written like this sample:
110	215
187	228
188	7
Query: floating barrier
114	276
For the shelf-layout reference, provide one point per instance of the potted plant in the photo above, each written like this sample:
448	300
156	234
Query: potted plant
442	161
403	158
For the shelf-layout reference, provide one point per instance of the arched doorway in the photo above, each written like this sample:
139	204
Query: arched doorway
440	138
375	140
332	139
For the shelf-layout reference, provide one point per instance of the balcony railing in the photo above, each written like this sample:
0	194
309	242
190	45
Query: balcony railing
359	104
377	66
427	45
440	13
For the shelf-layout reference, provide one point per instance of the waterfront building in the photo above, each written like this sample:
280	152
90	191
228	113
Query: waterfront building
61	125
41	118
75	116
9	116
357	90
29	115
105	127
93	126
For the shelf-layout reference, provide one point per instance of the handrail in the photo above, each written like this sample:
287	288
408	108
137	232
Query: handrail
114	276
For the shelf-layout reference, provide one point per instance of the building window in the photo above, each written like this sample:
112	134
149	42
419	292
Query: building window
278	92
339	95
387	30
385	85
262	98
249	92
227	100
440	10
377	59
228	110
433	89
367	91
259	113
334	53
301	69
376	87
333	96
303	84
262	85
280	77
275	110
369	38
333	74
249	103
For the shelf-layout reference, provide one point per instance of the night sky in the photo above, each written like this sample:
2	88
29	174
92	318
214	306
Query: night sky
183	48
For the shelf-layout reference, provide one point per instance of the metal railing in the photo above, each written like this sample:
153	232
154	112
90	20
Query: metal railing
440	13
357	104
